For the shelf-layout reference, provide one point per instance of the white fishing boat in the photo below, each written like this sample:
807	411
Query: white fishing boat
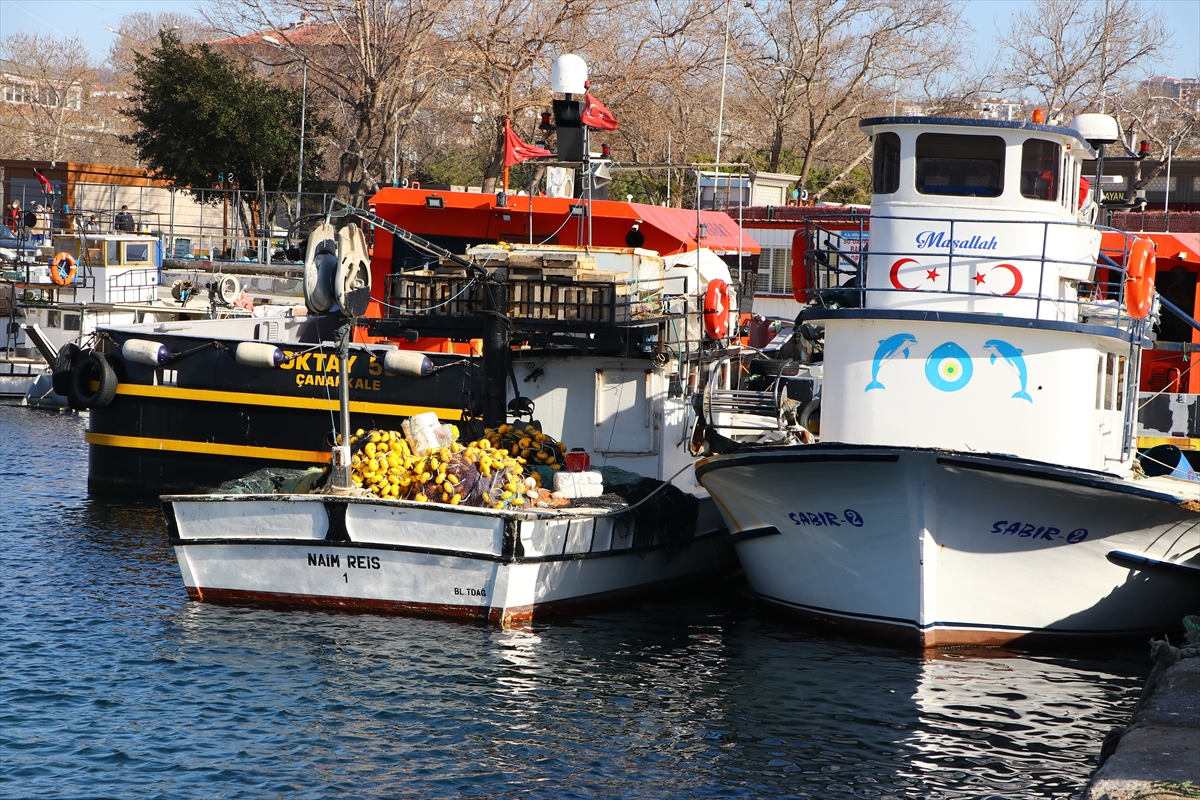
504	567
976	479
604	356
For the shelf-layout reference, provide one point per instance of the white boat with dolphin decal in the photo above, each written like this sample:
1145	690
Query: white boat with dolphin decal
976	479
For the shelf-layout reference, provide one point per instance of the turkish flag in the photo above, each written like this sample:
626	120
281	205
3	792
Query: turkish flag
516	151
595	115
44	182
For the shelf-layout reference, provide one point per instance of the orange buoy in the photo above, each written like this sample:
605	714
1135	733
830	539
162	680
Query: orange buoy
1139	278
716	309
56	273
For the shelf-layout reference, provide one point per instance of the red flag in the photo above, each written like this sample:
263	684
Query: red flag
44	182
516	151
595	115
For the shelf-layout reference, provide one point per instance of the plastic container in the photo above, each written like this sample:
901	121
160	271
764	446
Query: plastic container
578	460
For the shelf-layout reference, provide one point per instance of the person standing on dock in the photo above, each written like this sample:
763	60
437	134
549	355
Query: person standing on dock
123	221
12	216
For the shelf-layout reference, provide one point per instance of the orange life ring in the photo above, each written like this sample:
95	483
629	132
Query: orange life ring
1139	278
716	309
56	274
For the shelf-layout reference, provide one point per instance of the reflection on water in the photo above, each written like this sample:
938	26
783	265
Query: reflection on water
116	685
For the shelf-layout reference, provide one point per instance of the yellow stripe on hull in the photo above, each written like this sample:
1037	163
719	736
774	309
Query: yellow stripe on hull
1183	443
280	401
207	448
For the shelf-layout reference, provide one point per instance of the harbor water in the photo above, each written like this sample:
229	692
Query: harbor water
113	684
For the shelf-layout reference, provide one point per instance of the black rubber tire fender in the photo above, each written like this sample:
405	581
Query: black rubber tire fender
811	408
91	366
64	362
774	366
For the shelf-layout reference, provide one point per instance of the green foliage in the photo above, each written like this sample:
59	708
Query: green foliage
854	188
451	167
789	160
199	115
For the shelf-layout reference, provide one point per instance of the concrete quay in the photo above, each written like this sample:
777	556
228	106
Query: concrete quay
1157	756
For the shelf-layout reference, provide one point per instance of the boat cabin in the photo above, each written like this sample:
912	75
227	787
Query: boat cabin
977	216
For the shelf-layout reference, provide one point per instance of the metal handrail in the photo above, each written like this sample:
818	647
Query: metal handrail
824	260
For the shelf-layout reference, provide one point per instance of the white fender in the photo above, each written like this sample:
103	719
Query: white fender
407	362
257	354
143	351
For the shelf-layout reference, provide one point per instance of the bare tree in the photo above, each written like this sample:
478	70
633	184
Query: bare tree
1161	118
1074	53
50	83
138	34
371	65
658	71
811	68
504	49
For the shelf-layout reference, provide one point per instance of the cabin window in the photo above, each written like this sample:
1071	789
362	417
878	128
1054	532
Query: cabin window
114	254
961	166
1099	382
1040	161
886	164
53	319
71	322
1121	383
137	252
1110	369
775	270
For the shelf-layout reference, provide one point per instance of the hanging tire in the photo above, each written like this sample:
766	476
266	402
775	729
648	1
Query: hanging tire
811	409
774	366
91	367
64	362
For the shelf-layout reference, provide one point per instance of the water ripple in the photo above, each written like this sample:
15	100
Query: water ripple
115	685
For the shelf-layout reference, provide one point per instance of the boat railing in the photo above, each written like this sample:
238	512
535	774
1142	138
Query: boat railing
845	268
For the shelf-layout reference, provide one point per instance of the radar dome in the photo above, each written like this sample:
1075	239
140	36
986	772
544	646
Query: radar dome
1097	128
568	75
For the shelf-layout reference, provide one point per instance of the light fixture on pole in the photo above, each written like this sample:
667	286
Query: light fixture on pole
271	40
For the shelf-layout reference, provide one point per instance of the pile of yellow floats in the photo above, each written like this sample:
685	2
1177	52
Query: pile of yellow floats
488	473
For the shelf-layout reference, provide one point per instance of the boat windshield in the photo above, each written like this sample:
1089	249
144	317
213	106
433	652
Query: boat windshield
1039	169
963	166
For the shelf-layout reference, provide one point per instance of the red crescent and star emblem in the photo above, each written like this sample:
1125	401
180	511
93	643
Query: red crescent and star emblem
895	274
978	277
1018	280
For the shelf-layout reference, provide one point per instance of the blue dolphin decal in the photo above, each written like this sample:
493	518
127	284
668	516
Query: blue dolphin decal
1013	358
888	348
948	367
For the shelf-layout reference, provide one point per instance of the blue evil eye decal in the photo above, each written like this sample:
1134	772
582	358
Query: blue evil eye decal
949	367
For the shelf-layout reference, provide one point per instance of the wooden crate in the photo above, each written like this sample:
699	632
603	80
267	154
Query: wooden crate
425	292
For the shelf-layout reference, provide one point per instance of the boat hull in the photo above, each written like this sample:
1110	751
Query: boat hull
428	560
211	419
944	549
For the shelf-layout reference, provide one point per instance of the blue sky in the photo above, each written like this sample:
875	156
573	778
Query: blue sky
88	18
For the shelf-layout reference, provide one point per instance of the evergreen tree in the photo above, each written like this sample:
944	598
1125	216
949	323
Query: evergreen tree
199	115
